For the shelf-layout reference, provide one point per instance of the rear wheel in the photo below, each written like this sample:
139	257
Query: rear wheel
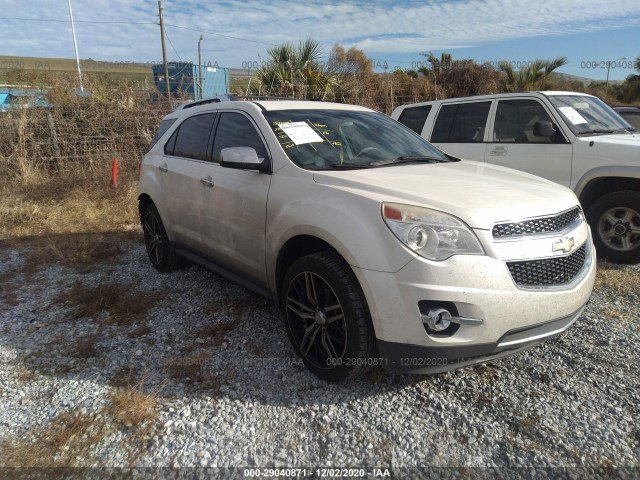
615	223
326	317
160	250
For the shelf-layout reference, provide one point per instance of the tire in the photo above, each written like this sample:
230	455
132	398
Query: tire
161	252
615	224
326	317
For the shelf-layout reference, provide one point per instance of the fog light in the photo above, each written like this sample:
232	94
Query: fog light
437	319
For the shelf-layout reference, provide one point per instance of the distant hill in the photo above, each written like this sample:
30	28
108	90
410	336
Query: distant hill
135	71
584	80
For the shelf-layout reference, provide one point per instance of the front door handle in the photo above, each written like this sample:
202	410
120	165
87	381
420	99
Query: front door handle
163	168
498	151
208	181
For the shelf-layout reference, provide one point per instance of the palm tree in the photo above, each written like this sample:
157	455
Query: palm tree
296	71
533	76
631	85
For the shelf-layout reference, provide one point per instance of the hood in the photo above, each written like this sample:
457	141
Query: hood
632	140
477	193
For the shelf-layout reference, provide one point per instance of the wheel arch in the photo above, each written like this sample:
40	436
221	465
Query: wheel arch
307	244
596	188
144	200
295	248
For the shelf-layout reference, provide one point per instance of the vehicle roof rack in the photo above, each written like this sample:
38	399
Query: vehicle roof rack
231	98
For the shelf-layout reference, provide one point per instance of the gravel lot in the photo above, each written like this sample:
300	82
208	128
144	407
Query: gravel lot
206	377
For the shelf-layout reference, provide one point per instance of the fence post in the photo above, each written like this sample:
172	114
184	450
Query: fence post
54	138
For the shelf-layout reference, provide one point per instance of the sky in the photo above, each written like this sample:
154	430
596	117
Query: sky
394	33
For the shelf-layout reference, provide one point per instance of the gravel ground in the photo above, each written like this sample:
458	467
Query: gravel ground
225	389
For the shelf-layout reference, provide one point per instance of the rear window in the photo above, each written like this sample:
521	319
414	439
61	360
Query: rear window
414	117
461	123
162	129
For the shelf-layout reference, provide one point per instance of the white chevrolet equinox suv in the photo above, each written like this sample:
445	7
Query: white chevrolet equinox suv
378	248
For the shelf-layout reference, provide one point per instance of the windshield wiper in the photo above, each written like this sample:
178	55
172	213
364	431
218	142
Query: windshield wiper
384	163
347	166
410	159
598	130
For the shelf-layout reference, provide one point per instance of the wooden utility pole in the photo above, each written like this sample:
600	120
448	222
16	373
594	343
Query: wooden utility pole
164	55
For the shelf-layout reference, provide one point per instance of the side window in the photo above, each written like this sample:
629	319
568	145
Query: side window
236	130
516	119
461	123
164	126
191	138
414	117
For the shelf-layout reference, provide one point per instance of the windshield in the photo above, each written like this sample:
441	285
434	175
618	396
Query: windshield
588	115
334	139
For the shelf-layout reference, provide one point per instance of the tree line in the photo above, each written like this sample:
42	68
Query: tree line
348	76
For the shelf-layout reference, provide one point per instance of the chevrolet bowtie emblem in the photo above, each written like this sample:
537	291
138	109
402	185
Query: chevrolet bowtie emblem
564	245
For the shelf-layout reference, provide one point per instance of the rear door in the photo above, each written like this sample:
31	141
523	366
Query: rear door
513	143
235	204
460	128
185	164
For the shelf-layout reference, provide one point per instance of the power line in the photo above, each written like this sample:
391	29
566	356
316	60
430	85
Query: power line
220	34
171	43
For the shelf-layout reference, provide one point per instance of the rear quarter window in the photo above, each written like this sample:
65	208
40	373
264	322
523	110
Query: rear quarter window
162	129
415	117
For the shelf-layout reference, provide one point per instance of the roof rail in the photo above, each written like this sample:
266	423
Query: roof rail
231	98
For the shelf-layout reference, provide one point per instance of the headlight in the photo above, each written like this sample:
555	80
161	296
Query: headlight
430	233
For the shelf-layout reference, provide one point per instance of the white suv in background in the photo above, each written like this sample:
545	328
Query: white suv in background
573	139
378	248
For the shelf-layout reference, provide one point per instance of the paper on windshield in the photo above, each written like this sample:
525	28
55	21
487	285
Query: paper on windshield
300	132
572	115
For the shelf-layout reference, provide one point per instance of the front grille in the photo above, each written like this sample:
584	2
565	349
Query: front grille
537	225
548	271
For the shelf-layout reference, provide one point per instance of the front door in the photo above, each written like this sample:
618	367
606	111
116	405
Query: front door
513	143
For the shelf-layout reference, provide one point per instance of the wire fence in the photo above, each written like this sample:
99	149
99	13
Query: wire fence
79	135
74	133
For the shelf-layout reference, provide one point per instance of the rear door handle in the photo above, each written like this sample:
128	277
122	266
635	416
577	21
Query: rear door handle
208	181
163	168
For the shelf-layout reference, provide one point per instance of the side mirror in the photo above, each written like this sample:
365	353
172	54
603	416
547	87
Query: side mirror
243	158
544	129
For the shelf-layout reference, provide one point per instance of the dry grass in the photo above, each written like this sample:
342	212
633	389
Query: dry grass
131	406
140	331
214	334
53	204
618	280
82	251
69	435
7	289
122	304
72	435
189	368
24	374
86	347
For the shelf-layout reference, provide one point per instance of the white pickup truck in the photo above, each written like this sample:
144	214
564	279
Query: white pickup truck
570	138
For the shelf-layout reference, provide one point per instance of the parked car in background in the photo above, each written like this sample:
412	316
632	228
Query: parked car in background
378	248
631	114
573	139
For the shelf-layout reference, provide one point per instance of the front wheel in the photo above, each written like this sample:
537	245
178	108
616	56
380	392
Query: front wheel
615	223
326	317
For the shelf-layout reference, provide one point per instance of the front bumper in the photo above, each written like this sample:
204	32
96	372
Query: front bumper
480	287
400	357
